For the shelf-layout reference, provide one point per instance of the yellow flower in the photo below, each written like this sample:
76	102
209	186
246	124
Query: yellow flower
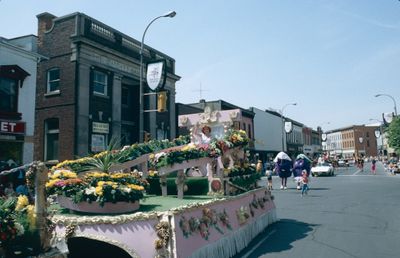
22	202
99	190
136	187
151	156
51	183
97	174
119	175
153	173
31	216
63	173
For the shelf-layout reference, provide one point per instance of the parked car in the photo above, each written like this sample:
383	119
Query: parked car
323	169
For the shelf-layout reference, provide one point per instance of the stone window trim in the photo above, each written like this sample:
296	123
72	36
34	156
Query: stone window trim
53	82
97	81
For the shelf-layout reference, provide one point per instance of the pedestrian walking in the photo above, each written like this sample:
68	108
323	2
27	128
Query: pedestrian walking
373	166
304	181
268	173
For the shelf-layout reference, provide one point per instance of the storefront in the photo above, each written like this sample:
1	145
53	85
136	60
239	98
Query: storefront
12	134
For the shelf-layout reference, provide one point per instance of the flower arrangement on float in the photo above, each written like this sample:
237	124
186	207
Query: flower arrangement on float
233	138
187	152
99	187
237	138
119	156
17	224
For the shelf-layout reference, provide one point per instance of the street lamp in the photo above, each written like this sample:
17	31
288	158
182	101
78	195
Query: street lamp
394	101
141	119
283	126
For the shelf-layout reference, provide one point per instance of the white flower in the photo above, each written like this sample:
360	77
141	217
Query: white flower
20	229
159	155
90	190
127	189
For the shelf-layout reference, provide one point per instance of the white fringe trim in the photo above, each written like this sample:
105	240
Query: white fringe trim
237	240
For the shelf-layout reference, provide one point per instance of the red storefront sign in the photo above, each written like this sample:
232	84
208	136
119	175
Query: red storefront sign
12	127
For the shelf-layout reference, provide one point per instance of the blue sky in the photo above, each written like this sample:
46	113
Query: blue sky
331	57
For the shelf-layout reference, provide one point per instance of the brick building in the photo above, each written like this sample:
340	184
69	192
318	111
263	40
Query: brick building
88	90
356	140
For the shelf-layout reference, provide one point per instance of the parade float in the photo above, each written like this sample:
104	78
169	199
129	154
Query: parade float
103	198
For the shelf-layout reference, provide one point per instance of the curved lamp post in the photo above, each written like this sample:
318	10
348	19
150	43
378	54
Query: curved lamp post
283	126
141	119
394	101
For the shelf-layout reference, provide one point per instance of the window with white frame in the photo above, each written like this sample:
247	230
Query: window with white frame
51	139
99	83
53	80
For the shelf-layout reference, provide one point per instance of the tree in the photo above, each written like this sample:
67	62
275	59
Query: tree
394	134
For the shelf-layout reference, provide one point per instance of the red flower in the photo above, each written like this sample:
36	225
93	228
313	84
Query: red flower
3	236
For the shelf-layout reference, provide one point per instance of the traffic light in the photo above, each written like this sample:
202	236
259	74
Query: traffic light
162	101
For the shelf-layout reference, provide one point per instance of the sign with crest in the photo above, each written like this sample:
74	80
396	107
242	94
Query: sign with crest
156	74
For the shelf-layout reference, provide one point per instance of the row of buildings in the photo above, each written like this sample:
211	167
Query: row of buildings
67	91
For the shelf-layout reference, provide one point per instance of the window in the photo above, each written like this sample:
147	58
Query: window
51	139
99	83
8	95
53	80
125	96
249	130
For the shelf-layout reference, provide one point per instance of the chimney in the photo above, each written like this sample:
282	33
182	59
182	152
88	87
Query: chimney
45	23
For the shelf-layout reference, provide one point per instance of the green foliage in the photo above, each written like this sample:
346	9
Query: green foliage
394	134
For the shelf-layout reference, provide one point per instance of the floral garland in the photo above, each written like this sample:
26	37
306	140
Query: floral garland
210	218
163	230
109	220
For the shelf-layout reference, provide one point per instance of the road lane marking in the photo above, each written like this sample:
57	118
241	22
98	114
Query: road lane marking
259	243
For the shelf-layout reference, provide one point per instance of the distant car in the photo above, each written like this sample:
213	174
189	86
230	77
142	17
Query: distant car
343	163
323	169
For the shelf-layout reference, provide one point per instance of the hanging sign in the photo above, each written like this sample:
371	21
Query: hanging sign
155	75
377	133
323	136
288	127
387	118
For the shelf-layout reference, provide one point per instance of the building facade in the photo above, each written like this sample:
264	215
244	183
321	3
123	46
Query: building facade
18	64
349	142
268	133
88	90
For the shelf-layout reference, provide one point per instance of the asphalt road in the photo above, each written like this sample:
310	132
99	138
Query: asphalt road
353	214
